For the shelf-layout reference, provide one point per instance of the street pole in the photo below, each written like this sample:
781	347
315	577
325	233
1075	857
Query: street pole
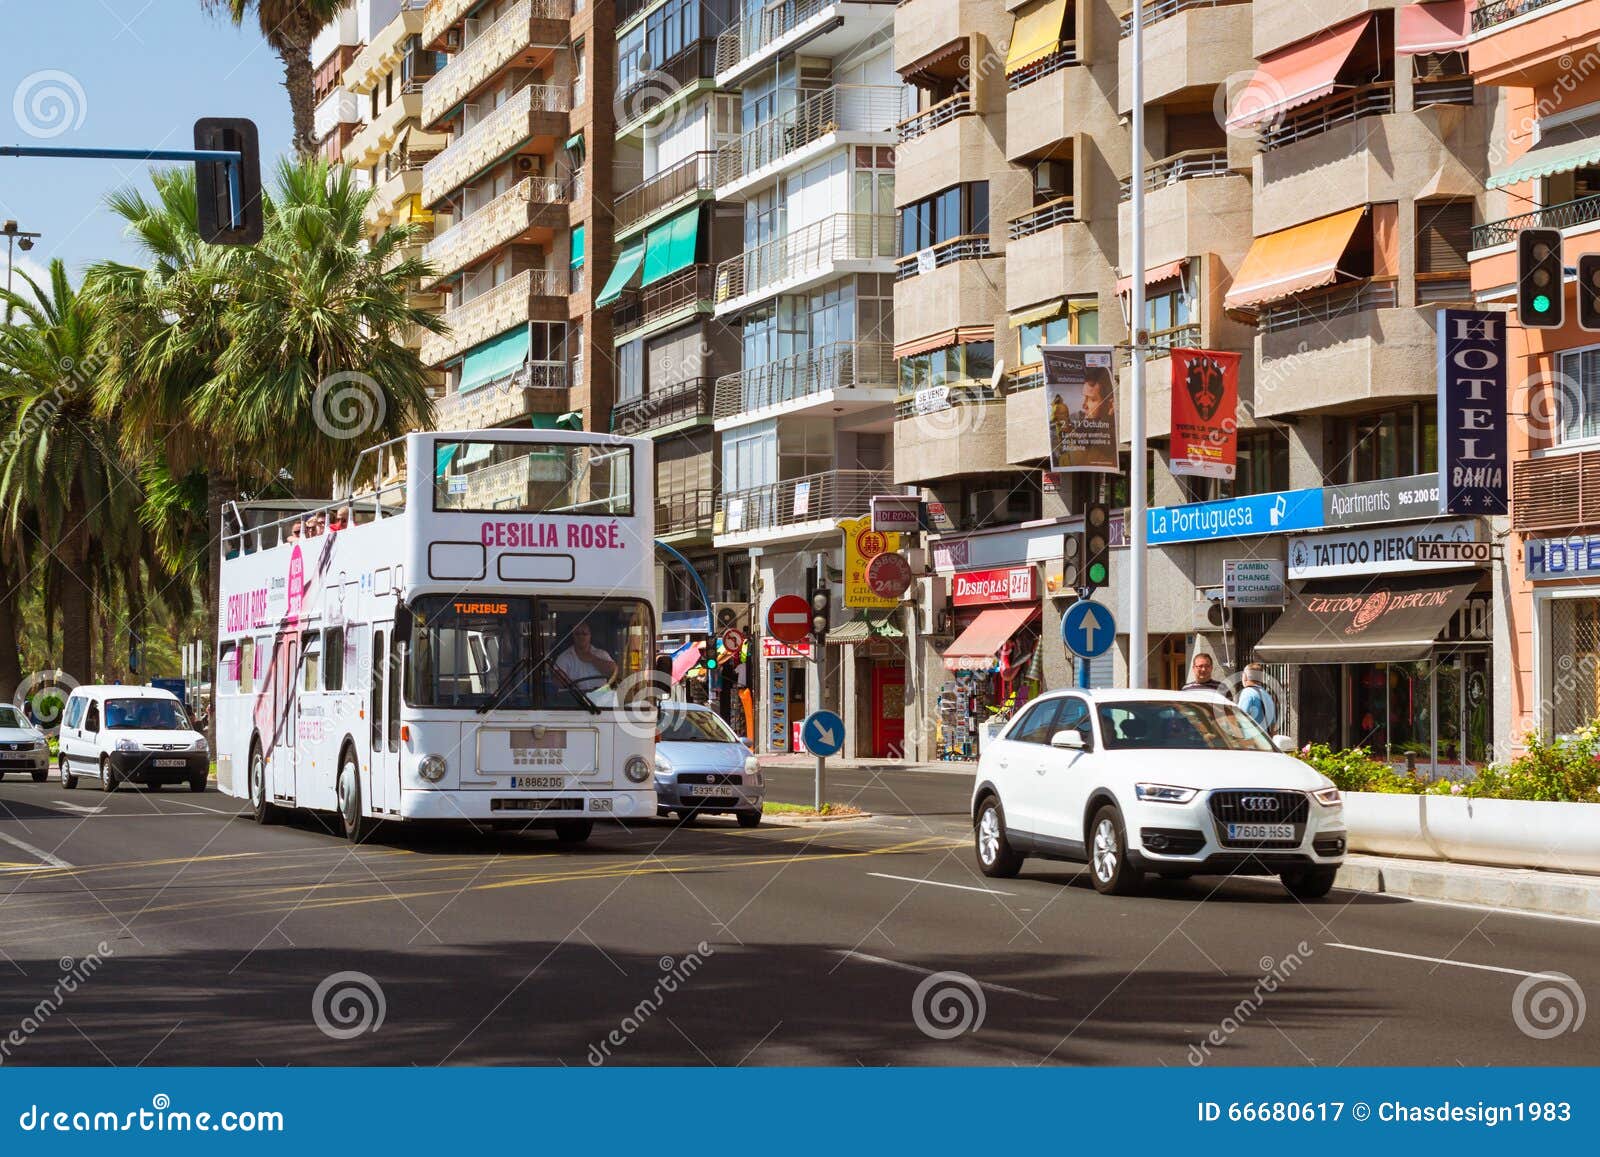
819	646
1138	633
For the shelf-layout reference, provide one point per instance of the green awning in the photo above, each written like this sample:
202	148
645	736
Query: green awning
571	420
621	273
494	359
670	245
575	142
1560	150
578	240
861	628
542	421
442	455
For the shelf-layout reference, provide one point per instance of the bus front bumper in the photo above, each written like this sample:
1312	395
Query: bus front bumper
525	806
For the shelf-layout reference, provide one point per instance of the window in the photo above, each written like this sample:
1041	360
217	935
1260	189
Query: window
1037	724
972	362
1078	324
1167	307
312	665
227	653
145	714
959	211
483	476
630	371
91	722
396	665
333	659
74	711
1391	444
1075	717
379	670
1577	390
247	666
1444	235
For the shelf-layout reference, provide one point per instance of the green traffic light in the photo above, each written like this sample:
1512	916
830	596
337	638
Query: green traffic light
1097	572
1541	303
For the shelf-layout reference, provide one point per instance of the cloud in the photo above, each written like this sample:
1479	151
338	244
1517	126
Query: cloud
34	269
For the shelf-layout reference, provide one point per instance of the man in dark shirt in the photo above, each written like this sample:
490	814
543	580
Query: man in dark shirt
1200	675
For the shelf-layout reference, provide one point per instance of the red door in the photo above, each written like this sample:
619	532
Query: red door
888	711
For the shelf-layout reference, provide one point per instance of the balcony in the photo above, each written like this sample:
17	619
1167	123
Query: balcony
1190	47
396	183
664	301
1533	43
845	243
1190	165
873	110
1567	215
1319	306
1063	57
1351	104
537	388
848	374
686	513
949	432
535	203
1555	492
805	505
527	36
531	293
974	247
1193	204
378	136
693	175
385	50
1051	253
539	110
935	116
644	101
827	27
1042	217
663	407
1492	15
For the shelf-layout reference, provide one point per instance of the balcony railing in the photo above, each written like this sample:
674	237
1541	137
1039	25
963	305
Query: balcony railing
628	9
649	89
824	497
1499	11
1443	288
957	394
1042	217
1160	343
1556	491
806	252
696	173
1024	378
1563	216
534	387
936	116
1323	305
772	23
836	366
682	290
507	39
1189	165
501	221
495	136
1351	104
495	311
1159	10
685	511
1063	57
1443	90
969	248
842	108
663	406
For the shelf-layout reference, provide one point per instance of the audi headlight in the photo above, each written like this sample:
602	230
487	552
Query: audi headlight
1328	797
128	745
637	768
1164	793
432	768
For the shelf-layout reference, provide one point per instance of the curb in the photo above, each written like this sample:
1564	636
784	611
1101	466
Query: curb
782	820
1511	889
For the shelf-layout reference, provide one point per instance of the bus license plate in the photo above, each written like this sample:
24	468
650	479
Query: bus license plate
168	762
1261	831
708	789
536	783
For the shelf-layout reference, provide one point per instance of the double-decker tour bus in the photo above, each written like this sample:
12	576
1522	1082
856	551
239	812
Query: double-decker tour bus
465	633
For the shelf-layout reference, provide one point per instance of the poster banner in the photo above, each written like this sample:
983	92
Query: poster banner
862	544
1474	462
1081	408
1205	413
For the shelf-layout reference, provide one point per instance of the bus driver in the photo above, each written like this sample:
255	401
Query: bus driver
587	666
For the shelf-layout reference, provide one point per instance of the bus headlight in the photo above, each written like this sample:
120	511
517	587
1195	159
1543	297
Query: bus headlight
637	768
431	768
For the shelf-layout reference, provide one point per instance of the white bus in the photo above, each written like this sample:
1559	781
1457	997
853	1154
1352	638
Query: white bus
466	633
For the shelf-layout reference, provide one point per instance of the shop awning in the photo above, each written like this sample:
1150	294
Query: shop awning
1151	276
494	359
622	272
1035	34
1560	150
861	628
1441	27
943	339
670	246
976	647
1033	315
1294	259
1298	75
1366	620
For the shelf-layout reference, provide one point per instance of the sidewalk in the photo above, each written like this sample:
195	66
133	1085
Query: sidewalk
950	767
1510	889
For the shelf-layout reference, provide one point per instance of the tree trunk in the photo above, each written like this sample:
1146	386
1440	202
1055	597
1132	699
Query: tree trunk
77	608
297	77
10	659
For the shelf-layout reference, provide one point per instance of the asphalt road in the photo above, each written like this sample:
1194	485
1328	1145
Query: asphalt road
715	945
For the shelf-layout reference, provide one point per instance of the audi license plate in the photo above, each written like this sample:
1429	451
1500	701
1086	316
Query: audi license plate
167	762
536	783
708	789
1261	831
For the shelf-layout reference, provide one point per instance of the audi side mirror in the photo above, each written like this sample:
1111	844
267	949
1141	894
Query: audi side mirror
1284	743
1071	740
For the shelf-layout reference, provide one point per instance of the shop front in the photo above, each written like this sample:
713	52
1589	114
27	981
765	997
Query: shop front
994	664
1564	574
874	668
784	705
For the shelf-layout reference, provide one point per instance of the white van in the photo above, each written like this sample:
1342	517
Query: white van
117	734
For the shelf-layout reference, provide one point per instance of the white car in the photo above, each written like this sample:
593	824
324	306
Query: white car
23	746
1171	782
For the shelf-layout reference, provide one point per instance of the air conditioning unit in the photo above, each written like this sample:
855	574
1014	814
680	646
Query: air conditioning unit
1210	614
986	507
526	164
1051	180
452	40
730	616
931	602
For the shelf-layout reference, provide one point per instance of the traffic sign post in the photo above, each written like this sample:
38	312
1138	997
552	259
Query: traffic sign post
822	733
1088	629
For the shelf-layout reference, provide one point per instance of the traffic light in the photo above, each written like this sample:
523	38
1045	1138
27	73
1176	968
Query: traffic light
214	190
1539	297
1096	547
1589	291
821	606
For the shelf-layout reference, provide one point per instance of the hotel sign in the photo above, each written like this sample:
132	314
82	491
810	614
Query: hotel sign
1473	459
1559	558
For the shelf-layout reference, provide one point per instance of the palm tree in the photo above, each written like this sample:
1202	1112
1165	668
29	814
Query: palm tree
288	26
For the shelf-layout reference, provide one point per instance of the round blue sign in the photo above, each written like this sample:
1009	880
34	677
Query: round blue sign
822	733
1088	628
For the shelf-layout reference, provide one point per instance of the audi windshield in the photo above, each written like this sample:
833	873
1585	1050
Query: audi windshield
1178	725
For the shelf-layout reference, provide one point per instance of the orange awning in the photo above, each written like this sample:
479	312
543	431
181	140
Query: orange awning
1297	75
1151	276
944	338
1440	27
976	647
1294	259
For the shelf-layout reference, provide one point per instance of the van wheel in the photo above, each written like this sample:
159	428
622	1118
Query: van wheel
995	854
1108	855
108	777
358	828
261	808
68	780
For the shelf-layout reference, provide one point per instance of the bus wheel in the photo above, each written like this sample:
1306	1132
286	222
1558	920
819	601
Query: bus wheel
573	831
358	828
264	811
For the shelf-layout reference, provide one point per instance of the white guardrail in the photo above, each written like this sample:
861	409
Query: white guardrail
1513	833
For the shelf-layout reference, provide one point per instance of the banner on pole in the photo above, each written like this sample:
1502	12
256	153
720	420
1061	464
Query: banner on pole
1205	413
1081	408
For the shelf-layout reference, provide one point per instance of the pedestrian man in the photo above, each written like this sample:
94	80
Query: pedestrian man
1200	675
1255	700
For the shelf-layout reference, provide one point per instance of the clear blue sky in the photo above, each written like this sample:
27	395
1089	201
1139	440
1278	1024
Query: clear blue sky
124	73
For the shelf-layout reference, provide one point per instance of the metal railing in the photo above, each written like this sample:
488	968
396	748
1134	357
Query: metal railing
685	510
503	219
696	173
1160	343
1443	90
1563	216
1322	305
935	116
1063	57
844	107
492	312
1042	217
1500	11
1351	104
489	52
649	89
503	399
628	9
1160	10
1555	491
1024	378
775	21
836	366
972	247
663	406
806	251
1189	165
682	290
824	497
957	394
492	137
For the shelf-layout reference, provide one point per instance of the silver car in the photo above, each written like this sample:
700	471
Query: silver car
703	769
23	747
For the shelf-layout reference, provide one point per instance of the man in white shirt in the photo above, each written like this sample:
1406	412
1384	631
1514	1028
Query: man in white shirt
587	666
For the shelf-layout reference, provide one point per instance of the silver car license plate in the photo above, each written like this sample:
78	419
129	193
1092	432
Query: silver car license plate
709	789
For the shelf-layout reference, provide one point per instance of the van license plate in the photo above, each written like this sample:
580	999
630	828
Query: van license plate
536	783
167	762
1261	831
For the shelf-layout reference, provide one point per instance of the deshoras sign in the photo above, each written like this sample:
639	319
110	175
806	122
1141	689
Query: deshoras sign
1473	459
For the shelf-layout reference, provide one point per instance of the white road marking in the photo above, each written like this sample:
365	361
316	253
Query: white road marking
920	971
216	811
1441	960
941	884
37	853
81	809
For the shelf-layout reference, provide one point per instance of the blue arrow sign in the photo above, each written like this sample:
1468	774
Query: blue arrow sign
822	733
1088	628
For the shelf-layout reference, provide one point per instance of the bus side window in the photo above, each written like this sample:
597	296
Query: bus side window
379	664
313	665
392	711
333	659
227	675
247	666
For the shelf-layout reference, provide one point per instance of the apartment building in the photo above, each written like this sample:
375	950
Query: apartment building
337	112
1541	64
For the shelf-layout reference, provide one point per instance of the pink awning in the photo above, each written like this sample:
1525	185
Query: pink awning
976	647
1151	276
1445	26
1297	75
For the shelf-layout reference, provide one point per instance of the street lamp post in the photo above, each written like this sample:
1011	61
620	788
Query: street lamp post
14	237
1138	631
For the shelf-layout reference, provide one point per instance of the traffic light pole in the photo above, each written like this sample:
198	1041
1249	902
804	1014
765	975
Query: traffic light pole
1138	640
818	645
234	161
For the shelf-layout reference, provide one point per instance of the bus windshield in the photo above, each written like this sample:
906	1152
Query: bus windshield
480	476
523	653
